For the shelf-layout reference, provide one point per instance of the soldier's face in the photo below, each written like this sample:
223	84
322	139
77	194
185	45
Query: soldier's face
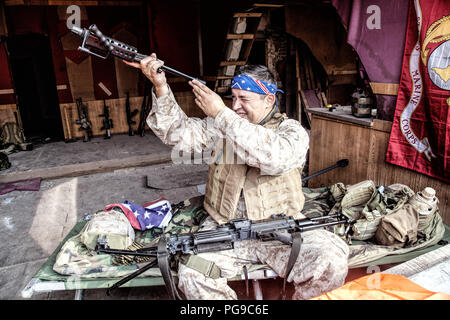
250	105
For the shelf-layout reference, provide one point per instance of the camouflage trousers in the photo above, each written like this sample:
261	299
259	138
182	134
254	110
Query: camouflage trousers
320	267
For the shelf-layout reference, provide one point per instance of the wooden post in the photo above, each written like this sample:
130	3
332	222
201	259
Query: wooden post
299	85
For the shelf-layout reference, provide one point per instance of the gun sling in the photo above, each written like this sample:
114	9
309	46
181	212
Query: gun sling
164	267
295	250
210	269
204	266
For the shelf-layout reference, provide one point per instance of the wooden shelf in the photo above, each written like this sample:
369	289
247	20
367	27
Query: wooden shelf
341	115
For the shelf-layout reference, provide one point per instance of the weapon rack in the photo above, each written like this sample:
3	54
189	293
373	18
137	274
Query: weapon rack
117	113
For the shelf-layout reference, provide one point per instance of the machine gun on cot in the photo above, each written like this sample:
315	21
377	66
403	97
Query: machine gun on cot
221	238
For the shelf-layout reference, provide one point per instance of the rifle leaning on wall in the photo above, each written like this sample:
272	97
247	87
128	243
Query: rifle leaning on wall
83	120
99	45
223	237
130	115
107	122
145	109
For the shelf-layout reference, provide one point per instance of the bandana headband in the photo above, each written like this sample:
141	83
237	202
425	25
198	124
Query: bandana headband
245	82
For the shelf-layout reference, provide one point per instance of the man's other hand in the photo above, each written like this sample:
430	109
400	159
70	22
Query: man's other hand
209	101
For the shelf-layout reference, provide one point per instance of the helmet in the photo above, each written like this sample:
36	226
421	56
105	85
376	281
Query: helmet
111	226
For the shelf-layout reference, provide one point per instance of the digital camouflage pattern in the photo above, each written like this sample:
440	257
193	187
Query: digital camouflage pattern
111	226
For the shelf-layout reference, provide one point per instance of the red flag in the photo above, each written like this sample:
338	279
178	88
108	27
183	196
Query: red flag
420	135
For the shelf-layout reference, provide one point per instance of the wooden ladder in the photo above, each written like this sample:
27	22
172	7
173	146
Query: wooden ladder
238	44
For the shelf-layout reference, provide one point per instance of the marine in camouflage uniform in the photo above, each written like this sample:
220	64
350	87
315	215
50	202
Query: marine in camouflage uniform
269	153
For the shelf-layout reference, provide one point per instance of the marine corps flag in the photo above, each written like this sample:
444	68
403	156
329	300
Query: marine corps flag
420	135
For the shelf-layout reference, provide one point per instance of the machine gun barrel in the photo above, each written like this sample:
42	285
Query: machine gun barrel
97	44
339	163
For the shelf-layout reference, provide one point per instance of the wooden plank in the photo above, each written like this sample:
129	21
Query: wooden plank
242	36
344	72
67	128
74	170
232	63
268	5
247	14
324	98
224	77
299	86
80	78
8	107
221	89
6	91
340	115
382	125
305	103
3	25
7	113
384	88
306	71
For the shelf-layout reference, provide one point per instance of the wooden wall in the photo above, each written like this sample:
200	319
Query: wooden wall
7	113
69	114
365	147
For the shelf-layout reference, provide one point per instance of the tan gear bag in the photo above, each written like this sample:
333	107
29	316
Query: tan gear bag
398	229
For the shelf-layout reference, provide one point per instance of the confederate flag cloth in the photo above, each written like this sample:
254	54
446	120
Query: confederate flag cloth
154	214
420	135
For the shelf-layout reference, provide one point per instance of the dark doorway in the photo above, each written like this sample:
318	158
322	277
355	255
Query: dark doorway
35	86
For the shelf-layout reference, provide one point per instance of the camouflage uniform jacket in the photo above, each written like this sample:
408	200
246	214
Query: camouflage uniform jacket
274	152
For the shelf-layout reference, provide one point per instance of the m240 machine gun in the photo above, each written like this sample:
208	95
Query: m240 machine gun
83	120
223	237
99	45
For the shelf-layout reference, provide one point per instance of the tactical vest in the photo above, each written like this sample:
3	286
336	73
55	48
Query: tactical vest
264	195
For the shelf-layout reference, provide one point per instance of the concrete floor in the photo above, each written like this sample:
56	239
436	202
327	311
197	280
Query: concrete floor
33	223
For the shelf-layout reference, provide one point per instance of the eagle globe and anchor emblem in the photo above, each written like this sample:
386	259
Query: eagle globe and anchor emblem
438	69
438	64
